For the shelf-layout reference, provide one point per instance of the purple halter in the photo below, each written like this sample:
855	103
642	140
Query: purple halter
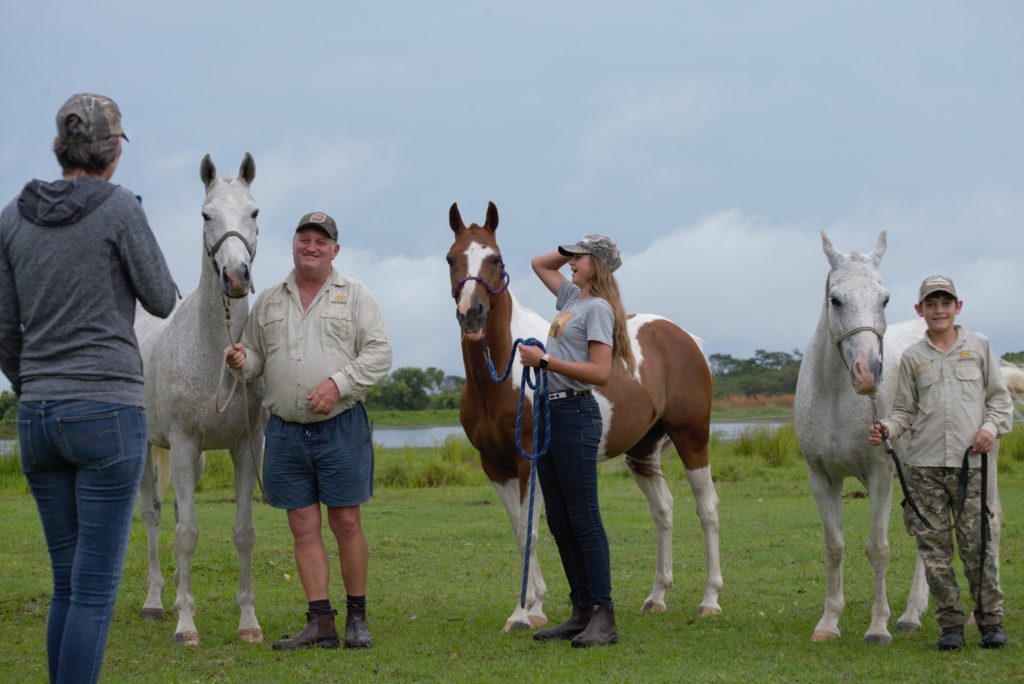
502	280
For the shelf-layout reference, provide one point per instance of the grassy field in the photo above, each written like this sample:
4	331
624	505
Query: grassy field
444	576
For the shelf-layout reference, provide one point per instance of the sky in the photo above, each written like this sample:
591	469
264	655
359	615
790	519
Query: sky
713	141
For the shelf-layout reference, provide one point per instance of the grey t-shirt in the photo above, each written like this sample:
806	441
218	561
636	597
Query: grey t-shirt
578	322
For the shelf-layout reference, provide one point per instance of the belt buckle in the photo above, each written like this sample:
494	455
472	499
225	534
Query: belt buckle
558	395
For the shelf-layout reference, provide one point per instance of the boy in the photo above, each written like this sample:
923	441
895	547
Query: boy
952	396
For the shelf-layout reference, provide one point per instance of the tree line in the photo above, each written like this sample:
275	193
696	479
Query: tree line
417	389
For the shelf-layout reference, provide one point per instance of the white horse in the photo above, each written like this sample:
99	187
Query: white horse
847	380
182	357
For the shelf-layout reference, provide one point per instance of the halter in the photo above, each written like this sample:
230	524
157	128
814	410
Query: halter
503	280
851	332
211	251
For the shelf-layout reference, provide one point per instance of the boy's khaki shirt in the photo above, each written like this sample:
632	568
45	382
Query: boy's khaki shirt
340	336
943	399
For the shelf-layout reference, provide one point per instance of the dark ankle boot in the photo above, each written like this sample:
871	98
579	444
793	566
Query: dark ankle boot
600	631
952	639
319	632
992	636
567	630
357	633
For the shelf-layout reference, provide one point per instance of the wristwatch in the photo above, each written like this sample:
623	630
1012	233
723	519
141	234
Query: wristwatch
543	363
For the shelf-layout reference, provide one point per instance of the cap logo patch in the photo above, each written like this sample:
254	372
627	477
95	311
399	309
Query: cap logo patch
317	217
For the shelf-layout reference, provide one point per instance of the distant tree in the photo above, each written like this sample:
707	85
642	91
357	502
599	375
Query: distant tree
414	389
8	405
765	373
1014	357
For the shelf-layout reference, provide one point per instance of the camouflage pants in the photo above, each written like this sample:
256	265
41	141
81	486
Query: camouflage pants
935	493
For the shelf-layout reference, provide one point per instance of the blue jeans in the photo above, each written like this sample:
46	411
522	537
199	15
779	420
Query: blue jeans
83	461
568	479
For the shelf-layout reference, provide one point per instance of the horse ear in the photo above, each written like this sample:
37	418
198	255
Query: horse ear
247	170
879	250
207	171
455	218
833	254
491	223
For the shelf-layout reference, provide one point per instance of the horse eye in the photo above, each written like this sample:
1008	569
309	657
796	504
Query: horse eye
206	217
255	213
835	301
885	302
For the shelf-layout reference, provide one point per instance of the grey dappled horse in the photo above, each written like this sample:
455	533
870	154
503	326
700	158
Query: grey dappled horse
847	380
182	356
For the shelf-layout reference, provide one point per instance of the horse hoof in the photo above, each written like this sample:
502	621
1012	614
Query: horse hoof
538	620
154	614
653	607
708	611
877	639
907	627
251	635
515	626
188	638
819	637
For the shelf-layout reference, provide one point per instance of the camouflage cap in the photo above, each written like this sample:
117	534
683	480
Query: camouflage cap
936	283
318	219
99	114
601	247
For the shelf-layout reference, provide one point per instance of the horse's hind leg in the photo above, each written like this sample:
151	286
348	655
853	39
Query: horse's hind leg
149	507
917	600
692	446
246	464
647	474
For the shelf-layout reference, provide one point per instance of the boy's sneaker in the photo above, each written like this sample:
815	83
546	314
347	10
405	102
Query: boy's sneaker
952	639
992	636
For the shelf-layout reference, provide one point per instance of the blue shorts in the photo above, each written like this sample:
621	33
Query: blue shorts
329	462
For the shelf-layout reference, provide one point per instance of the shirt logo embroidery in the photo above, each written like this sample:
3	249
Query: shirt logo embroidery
966	355
558	325
339	298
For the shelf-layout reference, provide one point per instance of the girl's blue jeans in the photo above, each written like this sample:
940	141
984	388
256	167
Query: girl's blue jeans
568	479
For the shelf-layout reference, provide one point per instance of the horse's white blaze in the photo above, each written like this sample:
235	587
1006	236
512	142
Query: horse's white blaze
475	256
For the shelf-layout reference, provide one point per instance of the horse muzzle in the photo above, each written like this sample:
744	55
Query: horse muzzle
237	282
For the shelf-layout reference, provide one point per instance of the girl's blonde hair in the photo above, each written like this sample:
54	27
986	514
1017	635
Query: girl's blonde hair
604	285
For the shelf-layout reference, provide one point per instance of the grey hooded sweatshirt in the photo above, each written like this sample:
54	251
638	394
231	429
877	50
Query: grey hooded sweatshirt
75	255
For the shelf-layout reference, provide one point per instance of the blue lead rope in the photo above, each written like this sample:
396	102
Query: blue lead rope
536	382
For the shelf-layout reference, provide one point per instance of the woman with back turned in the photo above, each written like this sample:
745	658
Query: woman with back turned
75	256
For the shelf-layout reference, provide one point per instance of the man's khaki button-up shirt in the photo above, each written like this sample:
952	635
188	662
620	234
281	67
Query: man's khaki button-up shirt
944	398
340	336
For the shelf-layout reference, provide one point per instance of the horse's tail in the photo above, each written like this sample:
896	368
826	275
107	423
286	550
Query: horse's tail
161	461
1013	376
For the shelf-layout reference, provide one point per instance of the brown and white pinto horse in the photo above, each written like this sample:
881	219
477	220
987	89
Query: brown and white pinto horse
669	398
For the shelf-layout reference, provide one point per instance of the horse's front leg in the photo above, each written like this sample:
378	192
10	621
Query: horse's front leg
828	497
532	614
879	485
246	457
186	467
149	507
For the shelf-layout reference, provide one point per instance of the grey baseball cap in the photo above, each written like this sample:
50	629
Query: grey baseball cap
100	116
936	283
318	219
601	247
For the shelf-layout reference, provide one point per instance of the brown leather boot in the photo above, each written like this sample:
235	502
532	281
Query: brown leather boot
319	632
576	623
600	631
357	633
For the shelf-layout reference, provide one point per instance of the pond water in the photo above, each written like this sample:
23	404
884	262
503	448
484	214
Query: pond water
433	436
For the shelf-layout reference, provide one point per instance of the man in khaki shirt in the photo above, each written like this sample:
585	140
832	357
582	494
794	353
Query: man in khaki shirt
951	397
318	340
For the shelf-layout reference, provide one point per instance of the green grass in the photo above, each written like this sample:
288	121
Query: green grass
444	576
412	419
